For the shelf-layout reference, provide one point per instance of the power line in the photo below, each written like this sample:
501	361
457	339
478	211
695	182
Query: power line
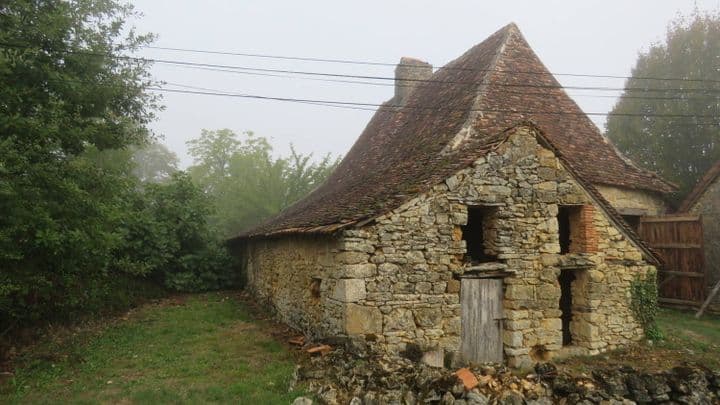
340	75
410	107
443	82
356	104
384	84
373	63
219	92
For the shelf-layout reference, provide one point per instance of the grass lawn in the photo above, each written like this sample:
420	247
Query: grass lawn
202	349
699	338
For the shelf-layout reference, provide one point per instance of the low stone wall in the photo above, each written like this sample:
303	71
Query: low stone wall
351	376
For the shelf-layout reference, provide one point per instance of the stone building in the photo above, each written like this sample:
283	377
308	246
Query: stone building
704	200
471	221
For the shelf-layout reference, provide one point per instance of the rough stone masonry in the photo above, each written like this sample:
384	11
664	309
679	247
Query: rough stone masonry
395	283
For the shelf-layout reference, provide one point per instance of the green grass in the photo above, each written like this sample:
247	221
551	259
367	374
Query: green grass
204	350
699	338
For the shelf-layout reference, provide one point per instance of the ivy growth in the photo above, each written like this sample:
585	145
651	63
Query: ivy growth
644	303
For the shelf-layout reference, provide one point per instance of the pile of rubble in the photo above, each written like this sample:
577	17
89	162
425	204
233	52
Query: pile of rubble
347	375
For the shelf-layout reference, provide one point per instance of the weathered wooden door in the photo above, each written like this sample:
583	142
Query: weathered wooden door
481	316
679	240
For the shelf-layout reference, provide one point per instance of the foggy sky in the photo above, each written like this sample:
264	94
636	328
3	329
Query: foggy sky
569	36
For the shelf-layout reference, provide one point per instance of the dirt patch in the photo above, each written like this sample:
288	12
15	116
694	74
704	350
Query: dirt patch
267	323
240	328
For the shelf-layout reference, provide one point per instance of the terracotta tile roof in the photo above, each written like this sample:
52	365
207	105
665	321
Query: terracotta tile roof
708	179
572	131
403	151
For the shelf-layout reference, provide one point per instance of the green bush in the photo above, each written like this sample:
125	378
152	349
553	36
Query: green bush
187	255
153	233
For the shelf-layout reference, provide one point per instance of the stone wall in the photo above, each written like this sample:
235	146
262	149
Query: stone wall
708	205
412	261
290	274
634	202
395	283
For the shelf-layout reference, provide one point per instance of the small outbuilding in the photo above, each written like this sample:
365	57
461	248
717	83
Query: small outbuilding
472	220
704	200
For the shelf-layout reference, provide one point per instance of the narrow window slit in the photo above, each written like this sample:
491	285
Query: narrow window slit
315	287
566	304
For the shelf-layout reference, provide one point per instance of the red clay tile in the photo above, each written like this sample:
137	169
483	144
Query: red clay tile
468	378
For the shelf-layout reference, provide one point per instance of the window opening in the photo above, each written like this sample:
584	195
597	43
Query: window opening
477	233
564	229
570	229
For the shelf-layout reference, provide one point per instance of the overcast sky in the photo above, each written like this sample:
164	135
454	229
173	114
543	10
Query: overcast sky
570	36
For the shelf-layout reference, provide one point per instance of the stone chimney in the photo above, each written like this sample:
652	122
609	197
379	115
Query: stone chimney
409	74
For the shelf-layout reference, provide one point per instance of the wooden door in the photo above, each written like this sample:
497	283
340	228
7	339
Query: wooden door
679	240
481	316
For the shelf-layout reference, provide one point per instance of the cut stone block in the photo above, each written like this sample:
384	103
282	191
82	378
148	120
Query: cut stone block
350	290
360	319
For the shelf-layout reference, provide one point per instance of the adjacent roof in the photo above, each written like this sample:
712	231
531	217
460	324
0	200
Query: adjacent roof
705	182
446	123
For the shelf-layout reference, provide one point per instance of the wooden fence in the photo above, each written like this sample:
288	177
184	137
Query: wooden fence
679	241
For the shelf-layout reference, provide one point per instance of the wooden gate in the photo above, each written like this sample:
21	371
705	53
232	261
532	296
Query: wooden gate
481	316
679	240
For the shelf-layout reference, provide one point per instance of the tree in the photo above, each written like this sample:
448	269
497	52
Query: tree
65	92
154	163
212	152
245	181
675	132
304	175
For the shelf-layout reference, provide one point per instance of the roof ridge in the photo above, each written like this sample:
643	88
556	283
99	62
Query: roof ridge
580	134
465	132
